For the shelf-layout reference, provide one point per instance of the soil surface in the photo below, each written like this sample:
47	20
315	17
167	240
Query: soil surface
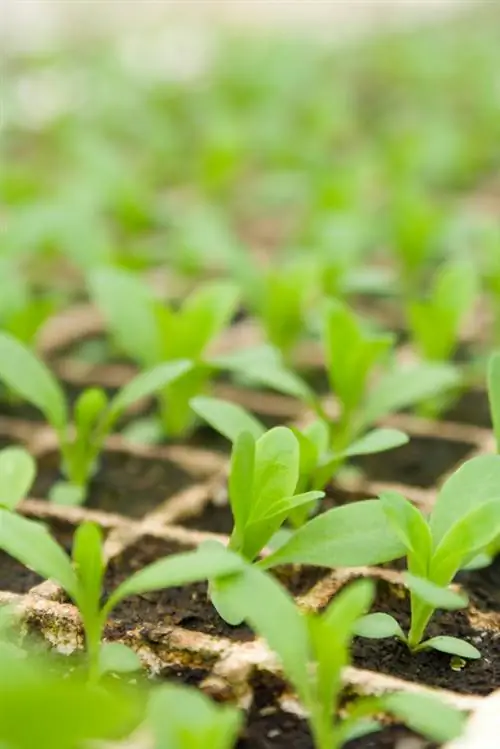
127	484
390	656
187	606
421	462
472	408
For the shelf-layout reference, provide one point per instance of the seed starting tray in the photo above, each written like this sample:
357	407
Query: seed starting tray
176	632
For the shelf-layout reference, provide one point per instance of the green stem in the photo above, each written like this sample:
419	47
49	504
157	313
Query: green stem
421	614
93	625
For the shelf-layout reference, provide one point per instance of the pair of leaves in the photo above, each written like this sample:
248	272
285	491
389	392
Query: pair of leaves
150	332
435	323
28	376
263	478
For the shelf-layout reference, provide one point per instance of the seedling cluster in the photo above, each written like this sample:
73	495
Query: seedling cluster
291	250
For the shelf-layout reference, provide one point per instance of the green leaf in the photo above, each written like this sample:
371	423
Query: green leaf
27	376
411	528
117	658
229	419
128	307
346	609
406	386
146	384
276	469
204	315
184	718
494	395
470	534
426	715
378	626
88	560
351	353
477	481
349	536
434	595
180	569
272	613
241	483
452	645
352	730
17	473
89	408
31	544
376	441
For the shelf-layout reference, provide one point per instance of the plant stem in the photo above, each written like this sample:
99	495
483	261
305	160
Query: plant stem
420	616
93	625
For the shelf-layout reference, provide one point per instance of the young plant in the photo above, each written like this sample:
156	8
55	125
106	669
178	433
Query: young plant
353	356
263	480
82	578
94	415
183	718
17	473
314	650
465	519
435	323
152	333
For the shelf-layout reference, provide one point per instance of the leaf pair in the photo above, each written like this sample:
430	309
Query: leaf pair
94	416
464	520
151	332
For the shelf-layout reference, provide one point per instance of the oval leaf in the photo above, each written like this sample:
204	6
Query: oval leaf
147	383
453	646
27	376
377	441
378	626
229	419
117	658
426	714
17	473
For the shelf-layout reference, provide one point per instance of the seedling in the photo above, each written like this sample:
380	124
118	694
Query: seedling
94	415
82	578
17	473
314	650
152	333
184	718
353	356
464	521
263	479
435	323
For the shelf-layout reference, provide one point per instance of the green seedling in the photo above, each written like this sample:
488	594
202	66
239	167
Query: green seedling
263	480
353	357
82	578
94	415
282	302
464	521
182	718
435	323
152	333
65	712
314	649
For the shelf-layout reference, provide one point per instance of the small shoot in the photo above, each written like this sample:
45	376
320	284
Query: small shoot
464	521
94	415
152	333
82	578
315	649
183	718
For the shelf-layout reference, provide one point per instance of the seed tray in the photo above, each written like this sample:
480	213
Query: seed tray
176	632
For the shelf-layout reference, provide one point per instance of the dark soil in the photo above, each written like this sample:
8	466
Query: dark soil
390	656
187	606
421	462
126	484
483	586
272	728
187	675
472	408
